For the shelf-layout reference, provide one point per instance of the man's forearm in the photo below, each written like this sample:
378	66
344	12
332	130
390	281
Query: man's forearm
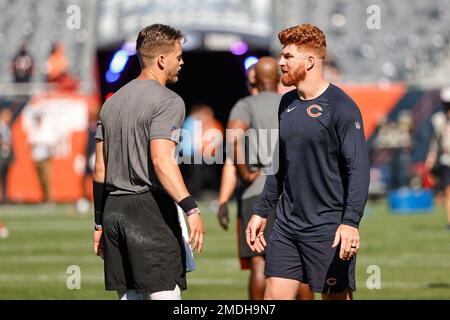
268	198
358	187
239	158
99	189
227	182
99	195
169	175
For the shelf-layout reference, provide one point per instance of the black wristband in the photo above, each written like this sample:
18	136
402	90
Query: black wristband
187	204
100	196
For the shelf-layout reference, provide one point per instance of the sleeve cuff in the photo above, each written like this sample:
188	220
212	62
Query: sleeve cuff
262	215
352	218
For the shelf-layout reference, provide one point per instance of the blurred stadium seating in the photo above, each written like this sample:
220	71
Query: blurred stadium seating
42	23
413	41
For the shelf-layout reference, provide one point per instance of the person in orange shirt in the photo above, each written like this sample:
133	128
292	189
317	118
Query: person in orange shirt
201	148
57	64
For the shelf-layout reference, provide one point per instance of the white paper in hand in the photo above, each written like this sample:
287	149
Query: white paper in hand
190	262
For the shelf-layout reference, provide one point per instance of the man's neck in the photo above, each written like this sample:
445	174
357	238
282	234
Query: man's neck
150	74
268	86
308	90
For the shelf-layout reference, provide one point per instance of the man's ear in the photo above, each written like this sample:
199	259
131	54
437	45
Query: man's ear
310	61
161	61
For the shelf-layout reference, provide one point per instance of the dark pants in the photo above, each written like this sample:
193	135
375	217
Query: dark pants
4	168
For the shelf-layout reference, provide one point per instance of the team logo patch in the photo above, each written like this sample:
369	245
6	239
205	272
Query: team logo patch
312	111
331	281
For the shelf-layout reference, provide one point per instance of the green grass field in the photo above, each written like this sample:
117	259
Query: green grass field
412	252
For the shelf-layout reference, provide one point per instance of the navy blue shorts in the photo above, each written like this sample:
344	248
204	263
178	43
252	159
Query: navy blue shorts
445	177
313	262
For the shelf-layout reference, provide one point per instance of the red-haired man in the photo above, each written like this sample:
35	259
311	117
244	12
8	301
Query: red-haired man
323	179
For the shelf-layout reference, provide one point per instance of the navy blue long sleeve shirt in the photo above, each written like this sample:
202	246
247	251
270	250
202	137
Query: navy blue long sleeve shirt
323	172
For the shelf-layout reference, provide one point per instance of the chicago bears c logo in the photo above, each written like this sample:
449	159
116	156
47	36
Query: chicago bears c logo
315	114
331	281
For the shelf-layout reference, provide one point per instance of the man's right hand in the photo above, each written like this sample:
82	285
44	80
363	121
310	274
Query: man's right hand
223	216
197	231
255	233
98	244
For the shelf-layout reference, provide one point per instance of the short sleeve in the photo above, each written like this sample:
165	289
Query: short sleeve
167	120
99	131
241	111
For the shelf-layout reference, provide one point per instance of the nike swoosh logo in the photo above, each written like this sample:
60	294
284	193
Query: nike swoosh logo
289	110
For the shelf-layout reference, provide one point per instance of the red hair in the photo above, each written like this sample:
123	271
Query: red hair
305	36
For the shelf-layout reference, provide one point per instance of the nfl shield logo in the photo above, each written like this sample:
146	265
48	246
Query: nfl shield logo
357	125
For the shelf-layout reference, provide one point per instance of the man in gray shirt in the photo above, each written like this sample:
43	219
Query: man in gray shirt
137	179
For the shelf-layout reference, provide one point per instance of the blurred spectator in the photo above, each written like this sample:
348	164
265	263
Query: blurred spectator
377	187
331	70
6	151
396	136
201	148
251	80
438	159
42	139
401	157
57	64
83	204
4	232
22	65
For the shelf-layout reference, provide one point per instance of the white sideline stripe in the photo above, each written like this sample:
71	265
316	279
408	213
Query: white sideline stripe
91	278
70	260
49	225
98	278
30	248
436	260
19	212
64	210
47	278
92	259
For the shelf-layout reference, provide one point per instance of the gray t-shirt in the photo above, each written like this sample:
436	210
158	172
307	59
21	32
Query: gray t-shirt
259	112
140	111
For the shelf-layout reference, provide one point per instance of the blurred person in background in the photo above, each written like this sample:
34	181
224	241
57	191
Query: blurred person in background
4	232
22	65
401	154
6	156
200	147
42	140
251	80
228	179
438	158
57	64
6	150
83	204
331	70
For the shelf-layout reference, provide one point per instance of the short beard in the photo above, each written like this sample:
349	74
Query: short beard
173	79
292	79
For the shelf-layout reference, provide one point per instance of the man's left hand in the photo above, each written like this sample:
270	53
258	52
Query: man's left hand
348	236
